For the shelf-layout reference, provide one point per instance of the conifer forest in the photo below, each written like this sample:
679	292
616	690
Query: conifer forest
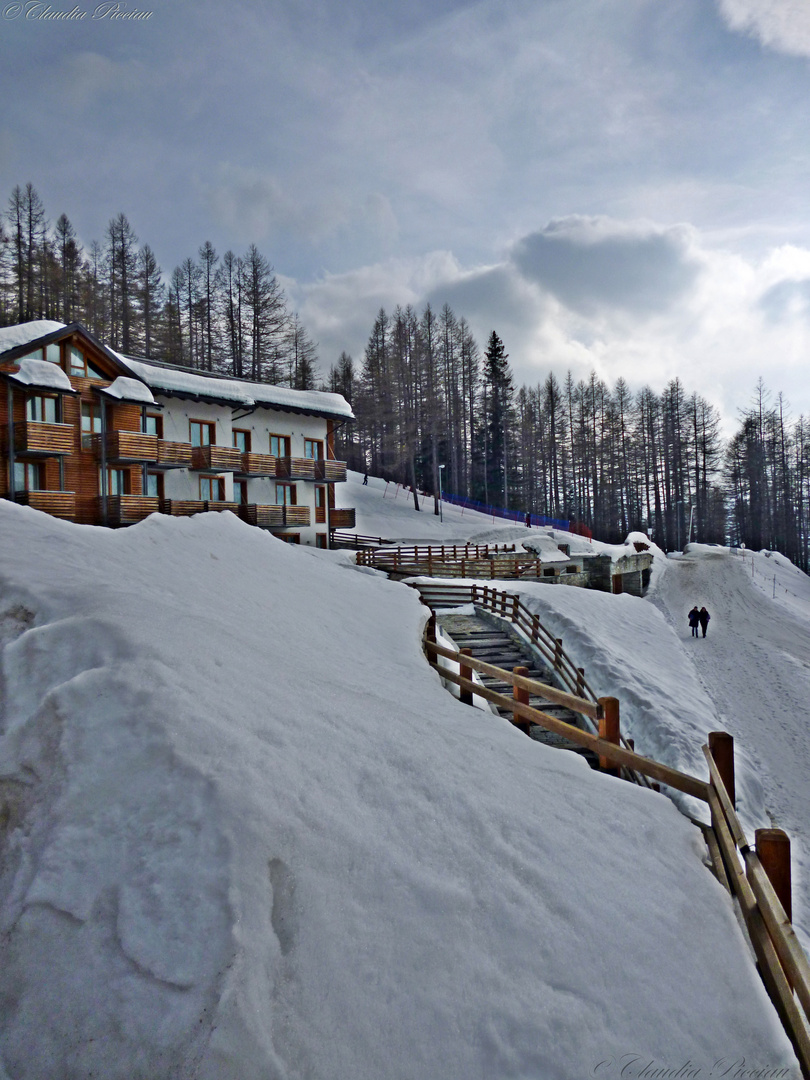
433	405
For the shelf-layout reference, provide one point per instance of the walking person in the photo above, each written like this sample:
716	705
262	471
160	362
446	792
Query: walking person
694	620
703	617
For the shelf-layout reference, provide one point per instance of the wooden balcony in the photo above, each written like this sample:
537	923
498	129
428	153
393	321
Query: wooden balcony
44	440
127	446
275	517
173	455
258	465
329	471
289	468
61	504
341	518
127	509
216	458
232	506
181	507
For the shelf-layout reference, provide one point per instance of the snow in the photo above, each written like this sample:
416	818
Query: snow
129	390
12	336
249	835
239	391
41	373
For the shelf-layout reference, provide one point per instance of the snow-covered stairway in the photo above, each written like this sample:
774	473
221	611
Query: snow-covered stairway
496	645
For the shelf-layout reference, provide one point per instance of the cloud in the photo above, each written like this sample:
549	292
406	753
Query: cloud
595	263
782	25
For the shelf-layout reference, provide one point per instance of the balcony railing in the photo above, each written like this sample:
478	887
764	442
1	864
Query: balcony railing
289	468
127	509
60	504
275	517
181	507
341	518
127	446
216	458
173	455
46	440
329	471
258	464
232	506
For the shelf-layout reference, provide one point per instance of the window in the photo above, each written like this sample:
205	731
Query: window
41	408
241	440
320	540
118	482
289	538
28	476
285	494
212	488
80	366
280	445
91	417
240	492
153	425
313	448
203	432
51	353
154	485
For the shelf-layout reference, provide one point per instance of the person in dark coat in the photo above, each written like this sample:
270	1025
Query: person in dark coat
703	617
694	620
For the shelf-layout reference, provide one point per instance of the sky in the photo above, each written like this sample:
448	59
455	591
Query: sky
617	186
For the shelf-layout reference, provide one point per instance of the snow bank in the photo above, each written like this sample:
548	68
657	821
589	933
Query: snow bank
248	835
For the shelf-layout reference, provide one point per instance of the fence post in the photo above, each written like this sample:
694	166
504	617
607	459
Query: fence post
466	673
430	562
558	653
521	695
535	628
463	567
491	569
430	629
721	745
580	681
503	604
515	602
773	848
609	728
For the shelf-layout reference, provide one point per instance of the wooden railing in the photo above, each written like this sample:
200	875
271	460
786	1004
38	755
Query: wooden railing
342	517
61	504
181	507
446	560
216	458
760	882
290	468
509	606
257	464
275	516
34	437
126	446
127	509
329	471
357	540
174	455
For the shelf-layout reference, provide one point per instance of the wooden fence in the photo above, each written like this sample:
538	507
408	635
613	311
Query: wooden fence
758	877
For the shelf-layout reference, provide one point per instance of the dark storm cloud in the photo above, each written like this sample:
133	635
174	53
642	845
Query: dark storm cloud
589	263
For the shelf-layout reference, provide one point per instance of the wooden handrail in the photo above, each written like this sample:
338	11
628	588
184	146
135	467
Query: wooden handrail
782	961
618	755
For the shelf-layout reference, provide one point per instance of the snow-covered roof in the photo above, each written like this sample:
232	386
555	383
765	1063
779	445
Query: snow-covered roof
172	381
13	336
41	373
132	390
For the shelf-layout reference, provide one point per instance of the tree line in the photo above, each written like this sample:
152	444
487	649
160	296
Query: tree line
225	314
433	410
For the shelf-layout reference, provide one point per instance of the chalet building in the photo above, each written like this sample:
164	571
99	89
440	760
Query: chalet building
104	439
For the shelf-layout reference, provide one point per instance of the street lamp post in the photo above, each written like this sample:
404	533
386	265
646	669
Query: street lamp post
441	512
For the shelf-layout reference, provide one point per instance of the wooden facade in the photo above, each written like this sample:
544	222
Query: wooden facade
100	439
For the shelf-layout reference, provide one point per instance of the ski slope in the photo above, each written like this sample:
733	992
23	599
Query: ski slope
755	667
247	835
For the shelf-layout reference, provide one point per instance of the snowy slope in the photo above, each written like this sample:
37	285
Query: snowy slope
755	668
248	835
